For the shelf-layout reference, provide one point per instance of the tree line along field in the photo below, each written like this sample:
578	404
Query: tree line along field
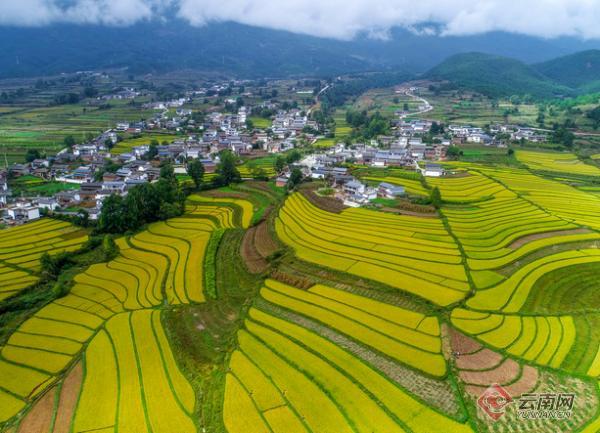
294	317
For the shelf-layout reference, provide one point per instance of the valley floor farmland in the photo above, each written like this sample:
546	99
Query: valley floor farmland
258	311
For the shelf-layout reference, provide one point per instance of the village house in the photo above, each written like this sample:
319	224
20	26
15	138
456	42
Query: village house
4	191
19	170
49	203
23	211
433	170
387	190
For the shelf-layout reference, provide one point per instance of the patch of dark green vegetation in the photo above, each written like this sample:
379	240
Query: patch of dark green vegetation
204	335
572	289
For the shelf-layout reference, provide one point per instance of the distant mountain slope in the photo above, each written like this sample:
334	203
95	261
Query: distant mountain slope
495	76
575	70
225	48
246	51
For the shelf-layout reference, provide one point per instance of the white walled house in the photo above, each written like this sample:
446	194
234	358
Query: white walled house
23	212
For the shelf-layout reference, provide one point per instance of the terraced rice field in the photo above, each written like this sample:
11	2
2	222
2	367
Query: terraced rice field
408	253
559	199
530	248
282	371
110	322
557	162
342	128
22	247
325	143
355	321
248	168
128	144
469	187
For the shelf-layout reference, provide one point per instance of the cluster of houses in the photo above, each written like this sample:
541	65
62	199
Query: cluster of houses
82	163
352	191
85	164
468	134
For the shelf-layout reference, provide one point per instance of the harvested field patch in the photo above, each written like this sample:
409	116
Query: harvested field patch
481	360
506	372
329	204
69	393
252	258
39	418
263	240
462	344
525	239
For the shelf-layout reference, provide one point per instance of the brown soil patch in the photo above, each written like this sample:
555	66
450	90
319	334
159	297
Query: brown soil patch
39	418
526	382
263	240
221	194
462	344
263	186
475	390
292	280
68	399
504	373
253	260
408	212
329	204
483	360
529	238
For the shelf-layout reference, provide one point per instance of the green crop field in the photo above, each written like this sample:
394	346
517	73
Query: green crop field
263	311
261	122
145	139
44	128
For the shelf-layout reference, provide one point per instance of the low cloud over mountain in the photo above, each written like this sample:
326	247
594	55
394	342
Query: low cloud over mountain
340	19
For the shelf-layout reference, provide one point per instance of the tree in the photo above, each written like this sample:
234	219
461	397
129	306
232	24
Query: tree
594	116
52	265
293	156
112	218
83	218
436	197
227	172
563	136
32	154
259	173
510	152
436	128
295	179
167	172
249	124
152	150
69	141
196	171
279	164
109	248
90	92
454	153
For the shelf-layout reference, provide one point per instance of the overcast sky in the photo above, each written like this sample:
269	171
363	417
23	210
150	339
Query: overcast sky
341	19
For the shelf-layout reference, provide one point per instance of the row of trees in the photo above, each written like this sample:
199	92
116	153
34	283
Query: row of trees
367	126
143	204
160	200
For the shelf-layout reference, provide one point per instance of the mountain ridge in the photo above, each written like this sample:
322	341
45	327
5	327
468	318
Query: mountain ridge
246	51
